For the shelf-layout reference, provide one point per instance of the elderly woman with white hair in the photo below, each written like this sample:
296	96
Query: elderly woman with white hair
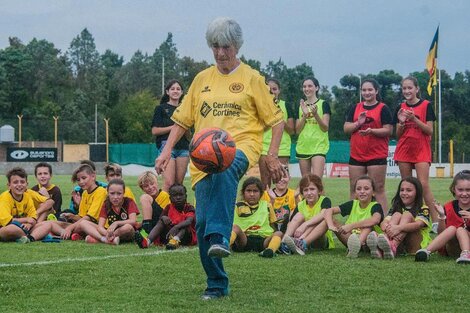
232	96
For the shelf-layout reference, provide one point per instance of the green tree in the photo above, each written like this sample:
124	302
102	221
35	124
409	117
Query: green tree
131	121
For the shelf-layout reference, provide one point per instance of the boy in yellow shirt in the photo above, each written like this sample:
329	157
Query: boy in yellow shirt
17	212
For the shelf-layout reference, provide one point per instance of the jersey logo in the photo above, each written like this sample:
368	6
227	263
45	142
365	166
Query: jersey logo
205	109
206	89
236	87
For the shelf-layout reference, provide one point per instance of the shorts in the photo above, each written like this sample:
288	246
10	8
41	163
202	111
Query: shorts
367	163
175	153
253	243
308	156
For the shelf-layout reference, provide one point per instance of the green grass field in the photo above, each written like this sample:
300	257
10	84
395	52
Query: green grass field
78	277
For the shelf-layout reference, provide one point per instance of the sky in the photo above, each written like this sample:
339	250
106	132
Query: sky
335	37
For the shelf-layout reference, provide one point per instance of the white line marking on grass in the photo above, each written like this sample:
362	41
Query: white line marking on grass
94	258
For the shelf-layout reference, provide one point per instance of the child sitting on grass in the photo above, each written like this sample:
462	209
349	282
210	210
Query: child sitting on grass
152	202
176	225
364	214
117	217
308	229
454	223
91	202
78	191
407	225
283	200
112	171
17	211
43	173
254	222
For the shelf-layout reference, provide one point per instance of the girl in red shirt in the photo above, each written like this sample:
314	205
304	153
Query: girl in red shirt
370	125
454	223
414	119
117	217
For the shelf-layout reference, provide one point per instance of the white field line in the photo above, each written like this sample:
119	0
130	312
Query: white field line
94	258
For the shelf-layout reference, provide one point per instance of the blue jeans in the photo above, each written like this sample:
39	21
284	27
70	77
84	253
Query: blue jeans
215	204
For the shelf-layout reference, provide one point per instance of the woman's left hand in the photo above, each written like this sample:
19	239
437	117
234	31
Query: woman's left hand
276	168
365	132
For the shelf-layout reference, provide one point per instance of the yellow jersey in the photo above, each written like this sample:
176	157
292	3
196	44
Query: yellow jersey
91	203
239	102
11	208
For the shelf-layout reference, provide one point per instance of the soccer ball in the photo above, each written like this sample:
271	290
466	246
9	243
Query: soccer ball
212	150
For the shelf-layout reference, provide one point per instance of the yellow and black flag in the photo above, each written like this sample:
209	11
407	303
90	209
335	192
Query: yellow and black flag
431	62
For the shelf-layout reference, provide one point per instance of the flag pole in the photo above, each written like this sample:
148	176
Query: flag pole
440	116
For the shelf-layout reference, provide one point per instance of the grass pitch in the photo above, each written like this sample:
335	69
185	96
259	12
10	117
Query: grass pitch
77	277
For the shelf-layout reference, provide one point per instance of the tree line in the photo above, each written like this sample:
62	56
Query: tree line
82	87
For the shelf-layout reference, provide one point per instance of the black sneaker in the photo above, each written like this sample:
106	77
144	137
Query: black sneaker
267	253
422	255
141	241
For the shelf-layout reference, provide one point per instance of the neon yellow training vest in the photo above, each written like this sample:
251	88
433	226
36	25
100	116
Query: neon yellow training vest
312	140
359	214
310	212
284	148
256	224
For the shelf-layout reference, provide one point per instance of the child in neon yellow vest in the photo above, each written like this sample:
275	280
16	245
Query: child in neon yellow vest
253	222
364	215
408	223
308	227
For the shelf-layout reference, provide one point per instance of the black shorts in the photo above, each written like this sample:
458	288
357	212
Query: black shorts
308	156
253	243
367	163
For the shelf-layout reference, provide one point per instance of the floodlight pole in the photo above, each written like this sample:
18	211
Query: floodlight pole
56	118
20	117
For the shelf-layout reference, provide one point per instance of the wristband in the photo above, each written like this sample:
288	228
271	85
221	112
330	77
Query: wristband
272	154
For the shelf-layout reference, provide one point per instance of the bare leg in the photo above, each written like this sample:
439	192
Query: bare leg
422	171
146	204
318	165
463	236
11	233
297	220
169	175
241	237
125	232
354	173
156	231
91	229
181	168
442	239
41	230
406	169
377	173
316	233
305	166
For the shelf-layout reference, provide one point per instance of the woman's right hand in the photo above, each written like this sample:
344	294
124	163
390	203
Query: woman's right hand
305	110
162	161
361	119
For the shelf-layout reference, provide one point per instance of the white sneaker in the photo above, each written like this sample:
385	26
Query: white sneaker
464	257
354	246
422	255
372	243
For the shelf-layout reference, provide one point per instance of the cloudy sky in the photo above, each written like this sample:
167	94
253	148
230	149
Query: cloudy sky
335	37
